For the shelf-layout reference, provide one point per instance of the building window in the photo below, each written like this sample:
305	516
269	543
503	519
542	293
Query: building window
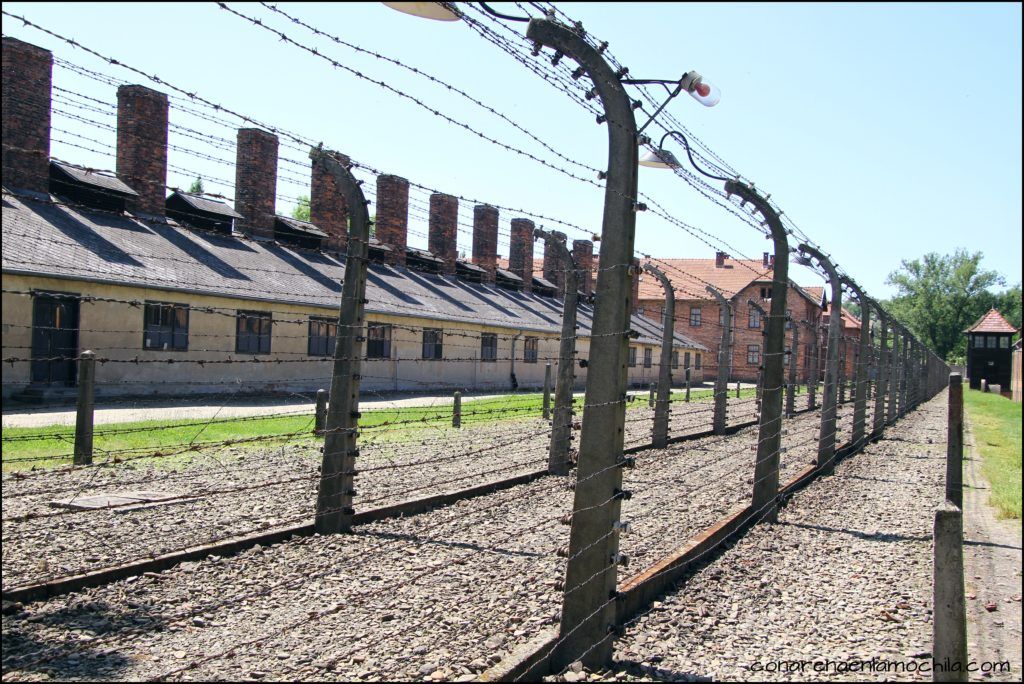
754	321
489	347
378	340
686	359
789	319
1004	342
721	317
675	359
632	357
694	316
530	350
979	341
252	332
766	293
993	340
433	344
647	357
166	327
696	361
754	354
323	334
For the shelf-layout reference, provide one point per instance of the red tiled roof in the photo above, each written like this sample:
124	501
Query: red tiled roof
991	322
816	291
690	277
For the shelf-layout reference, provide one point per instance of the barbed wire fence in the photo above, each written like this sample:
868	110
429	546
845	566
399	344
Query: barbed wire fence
187	488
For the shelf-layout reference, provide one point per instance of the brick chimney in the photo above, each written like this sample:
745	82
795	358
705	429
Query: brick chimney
764	259
583	255
256	182
393	216
520	251
720	258
27	79
634	296
442	240
327	208
485	240
142	146
554	269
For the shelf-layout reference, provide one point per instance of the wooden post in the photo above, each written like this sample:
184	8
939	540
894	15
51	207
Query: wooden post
457	410
321	412
84	416
955	442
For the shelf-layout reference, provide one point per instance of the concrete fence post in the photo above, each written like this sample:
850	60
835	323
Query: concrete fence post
652	388
895	368
949	612
336	493
724	356
860	379
827	432
547	391
561	426
737	389
882	381
815	371
321	412
955	442
84	415
687	398
841	377
791	386
457	410
659	438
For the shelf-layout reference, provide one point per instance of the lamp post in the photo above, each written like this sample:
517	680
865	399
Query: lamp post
827	433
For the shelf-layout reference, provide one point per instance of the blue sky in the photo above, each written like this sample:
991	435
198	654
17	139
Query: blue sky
883	130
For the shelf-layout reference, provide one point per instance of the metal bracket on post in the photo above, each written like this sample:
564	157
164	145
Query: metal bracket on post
724	356
827	433
561	427
860	399
588	617
661	407
769	436
334	508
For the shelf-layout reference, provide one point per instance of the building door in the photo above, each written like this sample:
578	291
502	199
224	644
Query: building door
54	338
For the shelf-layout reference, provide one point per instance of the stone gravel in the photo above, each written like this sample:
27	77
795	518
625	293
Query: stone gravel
440	596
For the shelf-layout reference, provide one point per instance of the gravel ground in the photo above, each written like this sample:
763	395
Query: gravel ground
845	575
440	595
232	492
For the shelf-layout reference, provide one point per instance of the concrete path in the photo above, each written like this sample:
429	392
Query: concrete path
992	573
203	407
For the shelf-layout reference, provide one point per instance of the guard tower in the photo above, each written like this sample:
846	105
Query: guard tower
989	353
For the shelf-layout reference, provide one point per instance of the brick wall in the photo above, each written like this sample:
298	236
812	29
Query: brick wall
393	216
327	208
444	230
520	252
485	239
27	79
142	146
256	182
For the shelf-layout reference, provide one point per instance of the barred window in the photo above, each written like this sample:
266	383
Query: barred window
754	354
755	318
323	335
694	316
378	341
252	332
647	357
433	344
530	350
165	326
632	357
766	293
489	347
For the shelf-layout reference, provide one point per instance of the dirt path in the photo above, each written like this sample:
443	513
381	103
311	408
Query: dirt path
992	573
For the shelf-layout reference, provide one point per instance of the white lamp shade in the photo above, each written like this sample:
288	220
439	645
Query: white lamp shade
658	159
426	10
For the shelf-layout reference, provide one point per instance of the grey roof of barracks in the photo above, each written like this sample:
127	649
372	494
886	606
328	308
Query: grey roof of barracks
46	239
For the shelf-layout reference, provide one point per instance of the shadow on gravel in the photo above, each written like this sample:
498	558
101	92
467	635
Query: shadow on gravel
657	674
453	545
877	536
968	542
59	643
877	479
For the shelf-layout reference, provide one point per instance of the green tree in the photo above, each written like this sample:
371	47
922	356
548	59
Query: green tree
301	210
197	186
941	295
